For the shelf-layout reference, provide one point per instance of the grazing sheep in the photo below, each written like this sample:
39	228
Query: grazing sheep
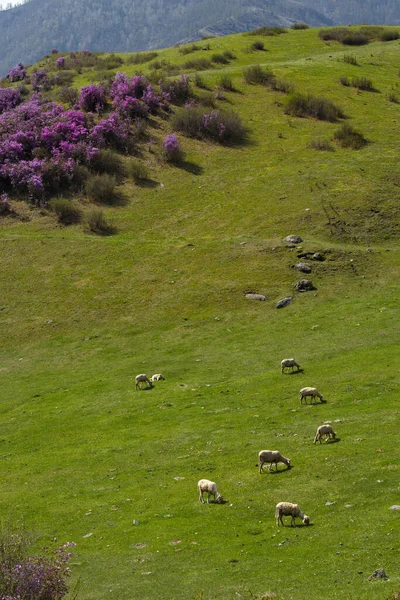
286	509
271	457
309	391
205	485
289	362
324	430
140	379
157	377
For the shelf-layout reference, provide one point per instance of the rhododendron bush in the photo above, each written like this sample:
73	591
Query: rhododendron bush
42	144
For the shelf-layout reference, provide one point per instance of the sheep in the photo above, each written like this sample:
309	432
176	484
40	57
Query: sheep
157	377
289	362
205	485
142	378
309	391
324	430
286	509
271	457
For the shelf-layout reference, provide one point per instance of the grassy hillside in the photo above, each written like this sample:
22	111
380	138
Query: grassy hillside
81	315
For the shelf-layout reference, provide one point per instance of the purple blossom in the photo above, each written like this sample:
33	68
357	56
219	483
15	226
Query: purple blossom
92	98
9	98
38	79
60	62
17	73
171	149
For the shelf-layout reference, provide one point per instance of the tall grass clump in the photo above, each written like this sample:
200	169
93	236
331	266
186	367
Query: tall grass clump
197	64
138	171
257	75
306	105
220	126
297	26
107	161
350	59
348	137
66	210
139	59
96	222
188	49
226	83
220	59
344	35
362	83
199	81
355	39
389	35
268	31
321	145
101	188
392	97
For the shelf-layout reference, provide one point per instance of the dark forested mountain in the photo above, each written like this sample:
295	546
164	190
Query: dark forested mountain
29	31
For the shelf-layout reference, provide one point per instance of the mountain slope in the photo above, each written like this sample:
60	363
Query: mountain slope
29	31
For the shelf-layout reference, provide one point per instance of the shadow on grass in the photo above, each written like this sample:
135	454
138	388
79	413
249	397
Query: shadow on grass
294	372
190	167
275	472
147	183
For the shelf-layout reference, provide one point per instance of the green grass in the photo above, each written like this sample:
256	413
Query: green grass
81	315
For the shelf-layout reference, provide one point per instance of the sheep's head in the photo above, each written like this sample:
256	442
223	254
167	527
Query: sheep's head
219	499
306	520
289	466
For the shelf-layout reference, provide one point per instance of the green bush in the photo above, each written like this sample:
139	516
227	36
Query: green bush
268	31
199	81
229	55
321	145
280	85
96	222
101	188
257	75
220	59
220	126
306	105
206	99
138	171
139	59
344	80
300	26
226	83
355	39
393	98
197	64
67	212
107	161
188	49
350	59
344	35
389	35
348	137
257	45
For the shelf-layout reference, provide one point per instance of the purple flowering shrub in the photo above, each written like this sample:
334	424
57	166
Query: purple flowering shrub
35	578
92	98
39	80
171	149
135	97
54	51
60	62
9	98
177	91
17	73
41	146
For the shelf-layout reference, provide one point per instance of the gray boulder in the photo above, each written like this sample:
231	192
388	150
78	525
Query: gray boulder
251	296
302	266
305	285
284	302
293	239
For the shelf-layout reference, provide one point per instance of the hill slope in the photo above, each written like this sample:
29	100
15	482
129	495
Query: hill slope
87	458
33	29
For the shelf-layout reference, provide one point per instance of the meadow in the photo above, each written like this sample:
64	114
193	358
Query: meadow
88	459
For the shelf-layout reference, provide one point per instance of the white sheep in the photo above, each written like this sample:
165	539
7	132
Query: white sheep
210	487
140	379
271	457
309	391
157	377
287	508
324	430
286	363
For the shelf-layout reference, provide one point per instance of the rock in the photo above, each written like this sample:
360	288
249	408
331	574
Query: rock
304	285
317	256
251	296
394	507
329	503
135	522
284	302
293	239
378	574
302	266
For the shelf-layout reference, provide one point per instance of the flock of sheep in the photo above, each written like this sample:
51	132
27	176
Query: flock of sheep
269	457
